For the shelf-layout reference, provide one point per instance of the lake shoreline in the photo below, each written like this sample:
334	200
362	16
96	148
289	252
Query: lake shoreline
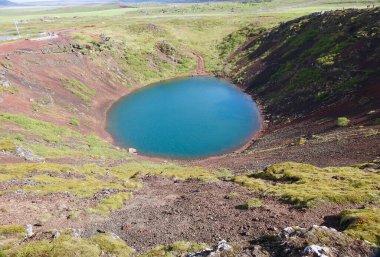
260	108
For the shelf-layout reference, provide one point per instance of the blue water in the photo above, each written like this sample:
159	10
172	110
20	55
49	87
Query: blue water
184	118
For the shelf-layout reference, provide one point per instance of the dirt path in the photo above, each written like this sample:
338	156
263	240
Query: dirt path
201	65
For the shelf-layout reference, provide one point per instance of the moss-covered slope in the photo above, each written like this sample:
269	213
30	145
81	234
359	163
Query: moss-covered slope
312	62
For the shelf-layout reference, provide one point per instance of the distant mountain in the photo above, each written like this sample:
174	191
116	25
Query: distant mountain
6	3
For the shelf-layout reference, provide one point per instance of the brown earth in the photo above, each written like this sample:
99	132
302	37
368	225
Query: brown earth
165	211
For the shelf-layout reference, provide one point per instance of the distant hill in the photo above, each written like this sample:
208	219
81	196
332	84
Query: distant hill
6	3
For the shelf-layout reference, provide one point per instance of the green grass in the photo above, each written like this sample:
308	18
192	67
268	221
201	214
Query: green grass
252	203
67	246
175	249
342	122
305	185
112	203
7	231
362	224
74	122
80	90
10	90
52	141
7	146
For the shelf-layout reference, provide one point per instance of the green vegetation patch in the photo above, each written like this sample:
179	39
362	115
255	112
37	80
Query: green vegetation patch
74	122
80	90
7	146
342	122
67	246
363	224
57	142
253	203
171	170
10	90
175	249
81	181
111	203
305	185
7	231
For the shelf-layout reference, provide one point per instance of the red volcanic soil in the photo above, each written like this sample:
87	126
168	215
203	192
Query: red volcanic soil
39	69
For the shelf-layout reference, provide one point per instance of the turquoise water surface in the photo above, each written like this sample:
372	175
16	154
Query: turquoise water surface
184	118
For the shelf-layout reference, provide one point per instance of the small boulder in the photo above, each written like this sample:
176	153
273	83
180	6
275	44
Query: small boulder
132	150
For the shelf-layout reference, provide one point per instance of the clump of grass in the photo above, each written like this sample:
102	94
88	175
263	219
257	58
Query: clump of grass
111	203
7	146
302	141
11	231
175	249
231	195
375	121
10	90
74	122
342	122
112	246
69	246
80	90
363	224
306	185
252	203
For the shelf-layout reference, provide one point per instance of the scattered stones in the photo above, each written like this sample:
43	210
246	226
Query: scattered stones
4	82
28	155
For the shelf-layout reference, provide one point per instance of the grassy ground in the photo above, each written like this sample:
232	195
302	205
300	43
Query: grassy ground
305	185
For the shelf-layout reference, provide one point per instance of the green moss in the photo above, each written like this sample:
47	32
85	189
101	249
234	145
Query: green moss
82	181
10	90
306	185
342	122
375	121
111	203
302	141
7	146
175	249
252	203
11	231
163	169
113	246
69	143
79	89
231	195
363	224
305	77
67	246
74	122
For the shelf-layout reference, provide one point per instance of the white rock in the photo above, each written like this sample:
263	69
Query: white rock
223	246
317	250
132	150
29	230
289	230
